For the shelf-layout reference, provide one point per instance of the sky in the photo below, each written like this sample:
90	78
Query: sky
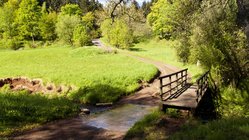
139	1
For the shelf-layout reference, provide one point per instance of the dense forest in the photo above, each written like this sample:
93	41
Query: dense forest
211	33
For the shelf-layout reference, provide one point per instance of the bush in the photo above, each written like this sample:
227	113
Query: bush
81	37
14	44
118	33
65	27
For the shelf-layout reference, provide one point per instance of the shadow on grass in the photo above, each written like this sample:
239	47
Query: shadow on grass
136	50
19	109
99	93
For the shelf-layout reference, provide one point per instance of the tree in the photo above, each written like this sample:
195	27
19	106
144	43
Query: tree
218	42
28	16
146	8
2	2
118	33
90	22
81	36
65	27
47	24
7	24
71	9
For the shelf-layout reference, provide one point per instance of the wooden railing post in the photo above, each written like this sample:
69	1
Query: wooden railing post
174	85
170	85
161	87
197	92
182	78
186	77
177	81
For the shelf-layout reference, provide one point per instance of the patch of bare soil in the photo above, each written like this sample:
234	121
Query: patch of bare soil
33	85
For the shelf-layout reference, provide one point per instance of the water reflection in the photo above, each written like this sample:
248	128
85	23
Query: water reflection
121	118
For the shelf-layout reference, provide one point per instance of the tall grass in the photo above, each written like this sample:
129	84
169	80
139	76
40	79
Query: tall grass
21	110
230	128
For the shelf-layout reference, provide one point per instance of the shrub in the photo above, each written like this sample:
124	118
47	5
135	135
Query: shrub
81	37
118	33
14	43
65	27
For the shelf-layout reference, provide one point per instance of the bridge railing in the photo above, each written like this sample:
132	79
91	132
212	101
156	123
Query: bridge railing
173	82
202	85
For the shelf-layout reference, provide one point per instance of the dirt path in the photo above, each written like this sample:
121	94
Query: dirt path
111	124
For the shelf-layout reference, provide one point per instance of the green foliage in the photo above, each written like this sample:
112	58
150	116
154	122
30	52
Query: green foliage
13	43
234	102
85	68
47	24
20	110
81	37
71	9
170	18
65	27
7	24
117	33
27	19
89	21
207	32
218	43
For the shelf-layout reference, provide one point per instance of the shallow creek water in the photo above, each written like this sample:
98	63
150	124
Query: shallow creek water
121	118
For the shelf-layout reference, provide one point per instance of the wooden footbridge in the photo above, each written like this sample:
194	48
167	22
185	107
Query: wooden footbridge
177	92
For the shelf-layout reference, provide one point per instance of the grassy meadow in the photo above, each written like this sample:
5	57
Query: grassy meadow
164	51
94	72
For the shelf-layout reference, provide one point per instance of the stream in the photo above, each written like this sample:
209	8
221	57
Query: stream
121	118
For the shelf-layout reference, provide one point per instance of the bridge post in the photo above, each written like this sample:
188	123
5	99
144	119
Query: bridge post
161	88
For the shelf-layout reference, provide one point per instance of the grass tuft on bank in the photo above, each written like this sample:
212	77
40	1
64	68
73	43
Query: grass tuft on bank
21	110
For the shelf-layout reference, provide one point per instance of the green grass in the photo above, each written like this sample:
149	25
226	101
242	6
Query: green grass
157	125
230	128
20	110
164	51
99	76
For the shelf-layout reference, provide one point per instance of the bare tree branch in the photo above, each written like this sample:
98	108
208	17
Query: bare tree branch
114	8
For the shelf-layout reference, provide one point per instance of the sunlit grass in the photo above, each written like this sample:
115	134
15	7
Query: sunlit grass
164	51
111	75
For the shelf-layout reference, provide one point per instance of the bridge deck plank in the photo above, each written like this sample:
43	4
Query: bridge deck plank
186	100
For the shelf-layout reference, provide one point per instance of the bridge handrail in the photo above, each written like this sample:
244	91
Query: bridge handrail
202	85
182	78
